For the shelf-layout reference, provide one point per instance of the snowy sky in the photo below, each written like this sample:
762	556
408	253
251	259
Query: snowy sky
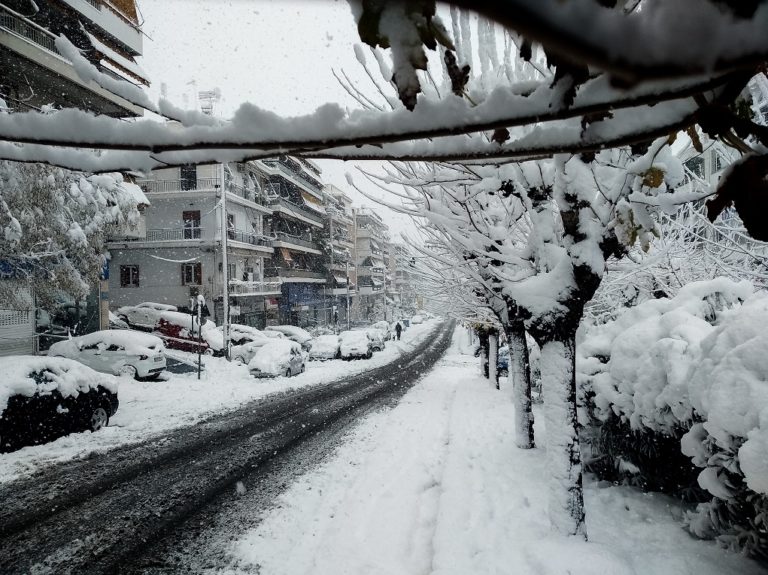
278	54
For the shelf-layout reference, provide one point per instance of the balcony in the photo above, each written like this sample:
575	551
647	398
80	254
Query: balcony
296	275
282	238
292	209
246	288
250	239
174	234
288	171
368	270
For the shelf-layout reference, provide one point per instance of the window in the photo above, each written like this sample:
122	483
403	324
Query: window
718	163
191	221
188	175
232	272
129	276
191	274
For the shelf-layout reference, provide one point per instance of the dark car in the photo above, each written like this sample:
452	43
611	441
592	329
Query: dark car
43	398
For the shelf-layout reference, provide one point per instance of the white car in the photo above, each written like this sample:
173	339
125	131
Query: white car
416	320
292	332
144	315
377	339
240	334
278	357
355	344
384	328
325	347
119	352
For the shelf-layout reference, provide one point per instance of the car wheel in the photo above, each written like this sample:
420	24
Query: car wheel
99	418
369	355
208	351
239	358
303	368
127	371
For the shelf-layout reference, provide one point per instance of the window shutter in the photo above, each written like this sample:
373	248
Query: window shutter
199	274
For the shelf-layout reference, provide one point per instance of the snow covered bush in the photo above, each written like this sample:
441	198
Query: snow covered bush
681	381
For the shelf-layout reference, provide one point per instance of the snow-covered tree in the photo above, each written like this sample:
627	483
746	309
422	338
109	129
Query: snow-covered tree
54	227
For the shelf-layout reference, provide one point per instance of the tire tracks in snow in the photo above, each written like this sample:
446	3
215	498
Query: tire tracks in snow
102	515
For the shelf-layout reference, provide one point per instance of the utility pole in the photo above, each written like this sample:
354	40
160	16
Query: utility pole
330	212
224	262
348	322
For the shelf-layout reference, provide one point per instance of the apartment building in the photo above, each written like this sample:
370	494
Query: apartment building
296	223
371	254
182	252
36	75
108	33
402	288
342	269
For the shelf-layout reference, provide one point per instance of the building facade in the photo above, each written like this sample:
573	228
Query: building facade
371	255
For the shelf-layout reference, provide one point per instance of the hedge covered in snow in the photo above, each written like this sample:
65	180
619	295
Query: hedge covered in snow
682	382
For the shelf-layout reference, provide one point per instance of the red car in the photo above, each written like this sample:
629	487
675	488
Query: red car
178	331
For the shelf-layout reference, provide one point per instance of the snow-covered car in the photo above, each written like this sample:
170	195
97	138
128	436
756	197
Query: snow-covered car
42	398
417	319
355	344
377	339
325	347
502	361
119	352
278	357
240	334
182	331
144	315
384	328
116	323
294	333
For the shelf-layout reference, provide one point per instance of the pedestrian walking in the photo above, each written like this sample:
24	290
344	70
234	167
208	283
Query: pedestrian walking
398	330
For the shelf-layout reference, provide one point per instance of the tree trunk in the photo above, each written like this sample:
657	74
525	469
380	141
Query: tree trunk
519	384
566	497
493	356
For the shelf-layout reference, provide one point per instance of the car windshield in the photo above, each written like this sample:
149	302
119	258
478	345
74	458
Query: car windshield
356	286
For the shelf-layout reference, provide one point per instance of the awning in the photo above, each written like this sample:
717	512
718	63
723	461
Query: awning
340	280
311	202
286	254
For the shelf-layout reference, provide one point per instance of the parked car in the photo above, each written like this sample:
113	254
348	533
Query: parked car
119	352
325	347
294	333
278	357
144	315
180	331
377	339
502	361
42	398
355	344
417	319
384	328
240	334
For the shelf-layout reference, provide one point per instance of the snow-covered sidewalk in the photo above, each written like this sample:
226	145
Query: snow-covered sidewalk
149	408
436	485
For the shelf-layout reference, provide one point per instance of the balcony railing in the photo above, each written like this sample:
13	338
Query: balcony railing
289	239
249	238
247	194
306	212
16	23
167	186
253	288
174	234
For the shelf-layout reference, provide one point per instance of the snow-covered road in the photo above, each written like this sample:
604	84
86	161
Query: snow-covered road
149	408
437	486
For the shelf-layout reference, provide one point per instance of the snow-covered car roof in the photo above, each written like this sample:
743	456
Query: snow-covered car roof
67	376
381	325
272	357
300	334
133	342
324	344
352	336
238	331
152	305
